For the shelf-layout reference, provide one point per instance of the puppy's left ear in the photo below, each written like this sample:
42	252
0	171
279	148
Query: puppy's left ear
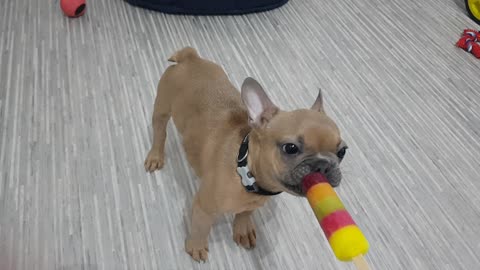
318	105
259	106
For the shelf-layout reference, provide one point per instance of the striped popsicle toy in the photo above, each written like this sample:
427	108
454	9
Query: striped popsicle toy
346	239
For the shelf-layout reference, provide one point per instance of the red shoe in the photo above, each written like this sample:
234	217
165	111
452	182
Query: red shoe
468	43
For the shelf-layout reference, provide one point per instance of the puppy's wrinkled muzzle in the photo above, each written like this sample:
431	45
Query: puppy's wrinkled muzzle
327	167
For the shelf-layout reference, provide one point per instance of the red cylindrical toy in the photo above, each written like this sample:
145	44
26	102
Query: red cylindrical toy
73	8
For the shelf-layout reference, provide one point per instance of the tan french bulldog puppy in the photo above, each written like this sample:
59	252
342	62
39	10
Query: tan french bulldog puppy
214	119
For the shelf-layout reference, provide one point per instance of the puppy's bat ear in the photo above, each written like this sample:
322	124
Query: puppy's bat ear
318	105
259	106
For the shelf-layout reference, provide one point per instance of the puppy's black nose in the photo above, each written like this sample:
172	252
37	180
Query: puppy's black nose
322	166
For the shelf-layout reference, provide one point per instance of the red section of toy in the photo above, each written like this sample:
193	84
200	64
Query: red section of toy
468	42
73	8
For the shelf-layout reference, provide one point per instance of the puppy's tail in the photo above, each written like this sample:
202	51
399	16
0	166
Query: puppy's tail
183	54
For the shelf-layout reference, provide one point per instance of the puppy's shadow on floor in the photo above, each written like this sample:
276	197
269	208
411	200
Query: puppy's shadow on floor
185	183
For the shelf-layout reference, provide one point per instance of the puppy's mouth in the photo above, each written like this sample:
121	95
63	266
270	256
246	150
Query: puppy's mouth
293	183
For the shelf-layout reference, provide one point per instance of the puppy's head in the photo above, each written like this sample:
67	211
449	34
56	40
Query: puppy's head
286	146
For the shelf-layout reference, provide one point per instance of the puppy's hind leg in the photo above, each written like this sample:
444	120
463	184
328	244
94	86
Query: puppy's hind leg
161	115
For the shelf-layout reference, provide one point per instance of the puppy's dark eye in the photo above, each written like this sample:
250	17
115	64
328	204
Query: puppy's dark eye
341	153
290	148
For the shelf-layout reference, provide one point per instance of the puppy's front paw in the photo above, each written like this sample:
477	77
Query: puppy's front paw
244	233
197	249
154	161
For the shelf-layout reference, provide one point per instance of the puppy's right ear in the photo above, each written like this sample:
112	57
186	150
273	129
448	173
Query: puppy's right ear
259	106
